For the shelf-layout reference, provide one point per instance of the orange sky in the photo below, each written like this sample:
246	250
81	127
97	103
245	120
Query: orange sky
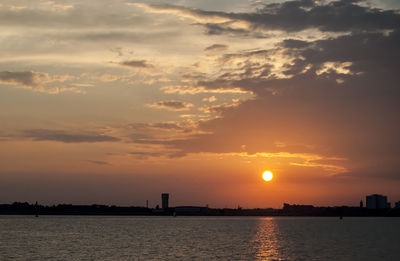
116	102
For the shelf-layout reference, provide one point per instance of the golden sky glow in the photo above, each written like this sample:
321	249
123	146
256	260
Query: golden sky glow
118	101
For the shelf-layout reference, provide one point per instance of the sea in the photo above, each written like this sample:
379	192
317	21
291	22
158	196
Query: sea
198	238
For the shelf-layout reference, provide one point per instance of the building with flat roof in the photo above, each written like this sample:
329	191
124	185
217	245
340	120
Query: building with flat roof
164	200
377	201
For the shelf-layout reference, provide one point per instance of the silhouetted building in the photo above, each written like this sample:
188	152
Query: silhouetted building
297	209
190	210
377	201
164	200
397	204
361	204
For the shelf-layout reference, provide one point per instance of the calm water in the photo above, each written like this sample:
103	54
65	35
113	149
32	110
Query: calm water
198	238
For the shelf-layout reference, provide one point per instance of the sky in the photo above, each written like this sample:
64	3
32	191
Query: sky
116	102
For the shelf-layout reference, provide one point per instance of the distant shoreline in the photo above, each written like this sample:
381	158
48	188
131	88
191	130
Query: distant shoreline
25	208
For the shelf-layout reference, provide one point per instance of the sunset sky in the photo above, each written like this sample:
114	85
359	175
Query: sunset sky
115	102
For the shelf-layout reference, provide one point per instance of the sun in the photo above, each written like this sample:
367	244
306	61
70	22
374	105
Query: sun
267	175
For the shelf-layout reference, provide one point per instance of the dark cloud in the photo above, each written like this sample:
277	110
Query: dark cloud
336	16
365	55
66	136
171	105
137	64
38	81
292	43
30	79
217	47
294	16
228	29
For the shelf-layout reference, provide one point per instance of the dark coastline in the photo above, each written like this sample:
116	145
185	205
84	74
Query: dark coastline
25	208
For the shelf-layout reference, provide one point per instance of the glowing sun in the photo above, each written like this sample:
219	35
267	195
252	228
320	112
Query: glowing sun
267	175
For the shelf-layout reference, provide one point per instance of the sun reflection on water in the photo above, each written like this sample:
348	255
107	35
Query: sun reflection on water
266	241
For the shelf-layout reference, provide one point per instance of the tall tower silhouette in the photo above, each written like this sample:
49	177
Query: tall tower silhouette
164	200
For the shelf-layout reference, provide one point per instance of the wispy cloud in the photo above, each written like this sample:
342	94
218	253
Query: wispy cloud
98	162
186	89
137	64
171	105
196	14
67	136
39	82
217	47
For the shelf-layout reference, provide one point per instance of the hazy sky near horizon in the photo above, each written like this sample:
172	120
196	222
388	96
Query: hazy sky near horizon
118	101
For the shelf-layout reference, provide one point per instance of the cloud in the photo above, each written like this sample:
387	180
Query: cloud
137	64
59	6
219	108
196	14
290	16
146	154
159	129
67	136
210	99
84	15
109	77
167	125
332	165
206	88
39	82
338	68
171	105
336	97
293	43
333	95
28	79
98	162
217	47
